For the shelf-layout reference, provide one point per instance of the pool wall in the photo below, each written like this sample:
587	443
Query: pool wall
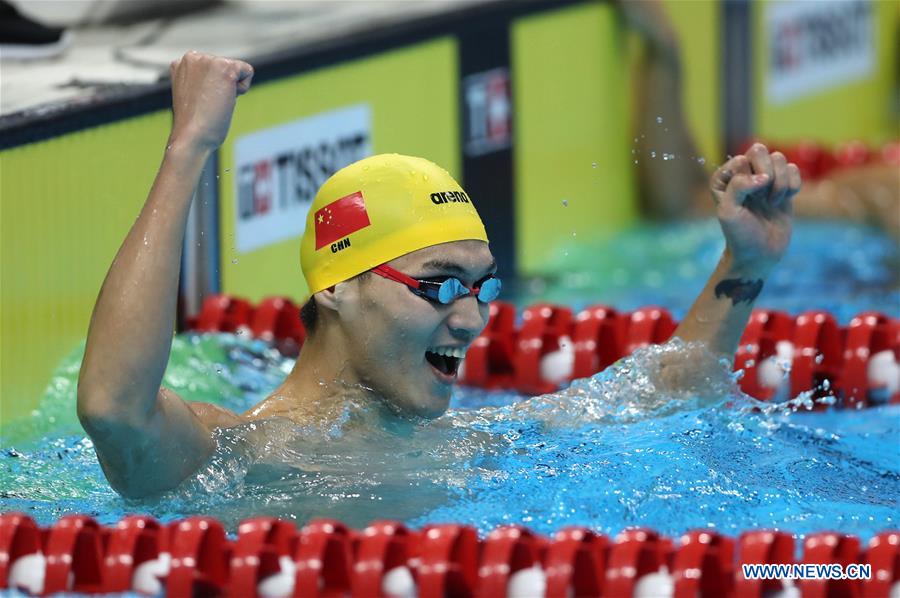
798	95
68	202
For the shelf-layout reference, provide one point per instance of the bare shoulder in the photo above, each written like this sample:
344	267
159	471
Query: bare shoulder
214	416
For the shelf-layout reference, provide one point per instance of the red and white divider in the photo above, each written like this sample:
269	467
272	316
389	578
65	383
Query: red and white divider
817	161
273	558
781	355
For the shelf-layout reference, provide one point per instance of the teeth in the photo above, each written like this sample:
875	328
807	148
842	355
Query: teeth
458	352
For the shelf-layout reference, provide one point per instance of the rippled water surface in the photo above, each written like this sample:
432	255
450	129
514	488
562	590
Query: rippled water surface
616	450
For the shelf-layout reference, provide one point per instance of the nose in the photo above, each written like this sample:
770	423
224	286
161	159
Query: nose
468	317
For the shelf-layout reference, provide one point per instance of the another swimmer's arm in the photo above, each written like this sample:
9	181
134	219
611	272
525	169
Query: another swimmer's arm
753	195
146	437
667	187
868	194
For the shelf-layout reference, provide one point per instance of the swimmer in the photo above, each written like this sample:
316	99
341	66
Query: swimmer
401	275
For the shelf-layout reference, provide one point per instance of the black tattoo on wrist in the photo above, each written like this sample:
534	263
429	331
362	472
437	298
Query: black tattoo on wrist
739	290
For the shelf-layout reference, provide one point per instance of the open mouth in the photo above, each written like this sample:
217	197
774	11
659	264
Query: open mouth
445	360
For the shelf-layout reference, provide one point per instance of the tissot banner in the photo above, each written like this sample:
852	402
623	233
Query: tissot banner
814	46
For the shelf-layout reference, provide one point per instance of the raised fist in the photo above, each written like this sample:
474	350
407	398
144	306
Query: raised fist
204	91
753	194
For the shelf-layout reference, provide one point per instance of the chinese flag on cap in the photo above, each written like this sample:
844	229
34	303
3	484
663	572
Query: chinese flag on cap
340	218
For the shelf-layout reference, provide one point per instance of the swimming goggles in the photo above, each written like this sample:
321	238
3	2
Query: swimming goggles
446	291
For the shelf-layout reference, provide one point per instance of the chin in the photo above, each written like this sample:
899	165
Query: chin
433	407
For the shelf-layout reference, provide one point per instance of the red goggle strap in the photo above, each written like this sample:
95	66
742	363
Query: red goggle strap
396	276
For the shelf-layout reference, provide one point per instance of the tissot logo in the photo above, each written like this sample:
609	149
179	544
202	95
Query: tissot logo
814	46
841	29
449	197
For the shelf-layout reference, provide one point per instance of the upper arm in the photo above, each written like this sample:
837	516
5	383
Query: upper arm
147	454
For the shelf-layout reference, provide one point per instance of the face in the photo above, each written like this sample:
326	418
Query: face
400	344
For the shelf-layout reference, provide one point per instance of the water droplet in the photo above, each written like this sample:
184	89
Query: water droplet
659	119
227	170
635	161
593	165
701	160
820	358
234	261
565	203
652	154
574	233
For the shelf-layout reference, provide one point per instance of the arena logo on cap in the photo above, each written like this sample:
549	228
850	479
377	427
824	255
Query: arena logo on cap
340	219
440	197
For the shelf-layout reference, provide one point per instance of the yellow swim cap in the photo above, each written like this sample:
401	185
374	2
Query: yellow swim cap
378	209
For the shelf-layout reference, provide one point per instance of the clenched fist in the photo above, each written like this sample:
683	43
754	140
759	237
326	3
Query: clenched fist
753	194
204	91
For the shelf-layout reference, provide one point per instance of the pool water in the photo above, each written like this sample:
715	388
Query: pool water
615	450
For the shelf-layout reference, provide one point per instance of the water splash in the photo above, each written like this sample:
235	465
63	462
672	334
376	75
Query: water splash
620	448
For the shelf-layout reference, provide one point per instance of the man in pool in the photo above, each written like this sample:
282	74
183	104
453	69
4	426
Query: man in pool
400	272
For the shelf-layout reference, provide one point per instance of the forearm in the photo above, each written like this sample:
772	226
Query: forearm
713	326
669	181
721	311
130	333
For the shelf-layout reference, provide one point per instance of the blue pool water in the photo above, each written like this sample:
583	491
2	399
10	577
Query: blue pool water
608	452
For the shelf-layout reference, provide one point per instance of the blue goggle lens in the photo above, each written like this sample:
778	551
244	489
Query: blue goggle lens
452	289
490	290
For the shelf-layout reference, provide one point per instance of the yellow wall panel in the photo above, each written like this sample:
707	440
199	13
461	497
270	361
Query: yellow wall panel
412	93
67	203
571	112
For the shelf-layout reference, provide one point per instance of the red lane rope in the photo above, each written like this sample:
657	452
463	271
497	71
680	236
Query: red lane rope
552	346
326	558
